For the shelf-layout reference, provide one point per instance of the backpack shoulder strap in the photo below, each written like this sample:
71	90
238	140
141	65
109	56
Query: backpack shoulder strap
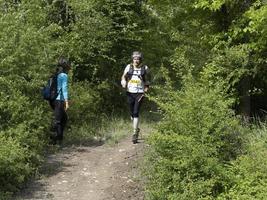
130	72
143	70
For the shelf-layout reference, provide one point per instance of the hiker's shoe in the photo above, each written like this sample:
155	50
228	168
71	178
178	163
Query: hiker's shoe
52	142
60	142
134	138
135	135
137	132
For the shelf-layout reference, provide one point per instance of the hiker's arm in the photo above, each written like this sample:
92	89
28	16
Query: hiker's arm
147	79
123	77
123	81
65	91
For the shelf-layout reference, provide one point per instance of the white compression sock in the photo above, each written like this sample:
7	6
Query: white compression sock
135	123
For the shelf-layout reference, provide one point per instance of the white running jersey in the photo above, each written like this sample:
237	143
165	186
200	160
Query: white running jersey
135	84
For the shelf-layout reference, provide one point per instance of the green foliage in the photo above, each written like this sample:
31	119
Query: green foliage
98	36
21	134
86	114
14	165
248	172
198	135
29	44
23	50
210	4
198	151
86	100
222	43
240	55
227	37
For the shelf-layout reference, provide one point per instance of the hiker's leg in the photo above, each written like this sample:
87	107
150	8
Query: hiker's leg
131	101
135	123
64	120
52	104
59	119
137	105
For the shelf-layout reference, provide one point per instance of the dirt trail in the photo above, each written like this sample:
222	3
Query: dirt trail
101	172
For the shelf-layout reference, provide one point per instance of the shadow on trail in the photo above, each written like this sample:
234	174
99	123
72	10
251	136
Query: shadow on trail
54	160
36	188
53	165
30	194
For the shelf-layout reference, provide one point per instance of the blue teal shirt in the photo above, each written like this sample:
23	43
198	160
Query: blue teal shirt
62	87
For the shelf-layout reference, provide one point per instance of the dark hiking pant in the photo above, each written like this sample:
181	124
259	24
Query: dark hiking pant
61	119
135	101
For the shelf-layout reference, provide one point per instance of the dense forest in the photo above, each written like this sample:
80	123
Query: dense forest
208	60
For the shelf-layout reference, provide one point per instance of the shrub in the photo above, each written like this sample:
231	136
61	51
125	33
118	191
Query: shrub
22	133
15	167
87	112
248	171
196	138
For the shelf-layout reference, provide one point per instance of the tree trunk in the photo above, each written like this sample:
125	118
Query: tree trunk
245	100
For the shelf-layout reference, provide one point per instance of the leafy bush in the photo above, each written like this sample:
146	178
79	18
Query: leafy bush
32	36
86	113
248	172
15	167
22	138
197	137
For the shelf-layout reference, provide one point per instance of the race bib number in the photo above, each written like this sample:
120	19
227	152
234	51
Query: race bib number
138	82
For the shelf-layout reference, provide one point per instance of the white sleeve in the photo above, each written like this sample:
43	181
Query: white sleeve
127	68
123	81
147	69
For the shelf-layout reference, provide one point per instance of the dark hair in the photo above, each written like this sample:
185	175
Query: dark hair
63	64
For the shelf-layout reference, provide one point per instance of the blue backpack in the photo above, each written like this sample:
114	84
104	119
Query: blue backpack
49	91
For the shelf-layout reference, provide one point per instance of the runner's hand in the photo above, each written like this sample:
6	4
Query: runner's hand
123	83
145	89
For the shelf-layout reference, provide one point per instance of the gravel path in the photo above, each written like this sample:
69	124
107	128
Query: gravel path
101	172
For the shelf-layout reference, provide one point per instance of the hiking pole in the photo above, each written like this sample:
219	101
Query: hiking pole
141	98
263	110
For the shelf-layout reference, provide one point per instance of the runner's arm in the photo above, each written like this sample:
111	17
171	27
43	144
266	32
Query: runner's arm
123	77
147	79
